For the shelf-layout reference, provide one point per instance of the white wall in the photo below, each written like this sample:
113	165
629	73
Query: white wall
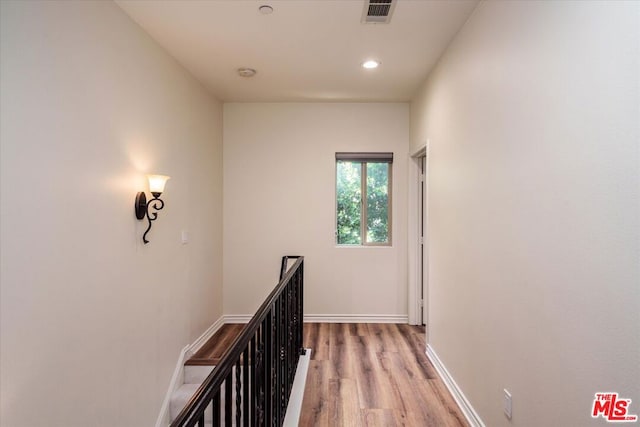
533	120
92	320
279	199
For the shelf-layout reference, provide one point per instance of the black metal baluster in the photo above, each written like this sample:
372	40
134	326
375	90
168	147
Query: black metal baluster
268	384
285	347
291	328
282	330
238	394
277	361
228	392
299	281
275	390
216	409
253	391
260	375
245	387
295	353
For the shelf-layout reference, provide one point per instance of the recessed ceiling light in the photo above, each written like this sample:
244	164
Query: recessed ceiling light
370	64
246	72
265	9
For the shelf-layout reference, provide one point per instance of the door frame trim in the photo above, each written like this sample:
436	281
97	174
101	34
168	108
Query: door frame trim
414	290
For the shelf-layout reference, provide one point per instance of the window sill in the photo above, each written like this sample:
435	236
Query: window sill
363	246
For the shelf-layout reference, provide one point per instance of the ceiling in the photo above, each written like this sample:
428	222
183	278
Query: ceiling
306	50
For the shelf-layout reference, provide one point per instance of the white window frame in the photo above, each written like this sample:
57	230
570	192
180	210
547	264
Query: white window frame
364	159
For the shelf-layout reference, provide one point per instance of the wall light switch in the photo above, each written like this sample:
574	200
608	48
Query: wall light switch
507	403
184	237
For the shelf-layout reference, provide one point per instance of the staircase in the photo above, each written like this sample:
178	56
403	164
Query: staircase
244	375
200	365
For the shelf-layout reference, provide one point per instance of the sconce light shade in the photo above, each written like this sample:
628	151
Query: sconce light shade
142	207
157	183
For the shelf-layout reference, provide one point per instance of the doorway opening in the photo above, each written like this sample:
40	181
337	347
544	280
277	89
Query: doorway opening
418	237
422	235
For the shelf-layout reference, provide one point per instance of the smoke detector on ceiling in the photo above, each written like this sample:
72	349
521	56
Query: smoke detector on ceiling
246	72
378	11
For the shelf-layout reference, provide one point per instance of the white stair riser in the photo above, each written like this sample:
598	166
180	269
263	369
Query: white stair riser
196	374
181	396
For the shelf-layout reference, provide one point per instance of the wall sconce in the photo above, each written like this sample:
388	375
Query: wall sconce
156	187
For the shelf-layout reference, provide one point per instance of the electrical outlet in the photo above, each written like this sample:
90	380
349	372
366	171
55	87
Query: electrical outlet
507	403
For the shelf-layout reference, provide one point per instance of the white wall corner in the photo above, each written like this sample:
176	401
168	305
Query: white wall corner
177	379
465	406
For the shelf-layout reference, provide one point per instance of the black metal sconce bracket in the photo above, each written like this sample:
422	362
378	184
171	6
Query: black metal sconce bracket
143	209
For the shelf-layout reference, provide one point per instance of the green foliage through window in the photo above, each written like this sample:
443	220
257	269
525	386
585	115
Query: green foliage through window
358	182
349	201
377	202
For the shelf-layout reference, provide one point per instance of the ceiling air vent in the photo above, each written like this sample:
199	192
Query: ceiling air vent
378	11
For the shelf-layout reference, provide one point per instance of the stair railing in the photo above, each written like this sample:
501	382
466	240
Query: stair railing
252	383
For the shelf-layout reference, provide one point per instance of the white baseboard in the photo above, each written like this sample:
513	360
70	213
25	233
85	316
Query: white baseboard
332	318
465	406
356	318
202	339
237	318
178	373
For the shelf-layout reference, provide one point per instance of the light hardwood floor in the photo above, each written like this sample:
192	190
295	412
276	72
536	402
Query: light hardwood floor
373	375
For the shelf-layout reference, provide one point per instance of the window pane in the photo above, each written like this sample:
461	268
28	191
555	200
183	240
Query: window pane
349	198
377	202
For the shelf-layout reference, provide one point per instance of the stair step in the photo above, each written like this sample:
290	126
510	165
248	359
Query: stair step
195	374
198	368
213	350
182	396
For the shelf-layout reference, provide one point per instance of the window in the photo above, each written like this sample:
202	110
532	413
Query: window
363	199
